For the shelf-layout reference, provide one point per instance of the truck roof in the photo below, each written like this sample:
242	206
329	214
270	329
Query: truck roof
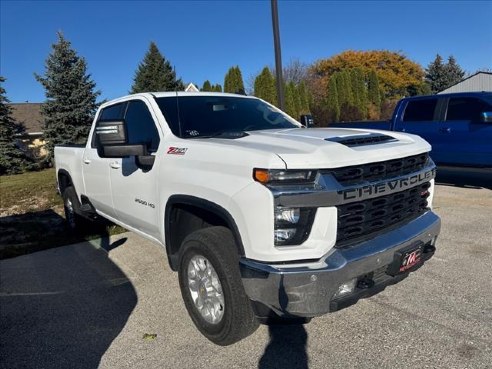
453	94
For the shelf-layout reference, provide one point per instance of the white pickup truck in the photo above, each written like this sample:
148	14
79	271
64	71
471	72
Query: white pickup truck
261	218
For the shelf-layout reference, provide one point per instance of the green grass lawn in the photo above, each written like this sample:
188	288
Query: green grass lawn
32	218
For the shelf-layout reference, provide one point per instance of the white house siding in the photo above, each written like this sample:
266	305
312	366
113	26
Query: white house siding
481	81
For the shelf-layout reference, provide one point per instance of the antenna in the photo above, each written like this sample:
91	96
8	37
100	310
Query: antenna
179	116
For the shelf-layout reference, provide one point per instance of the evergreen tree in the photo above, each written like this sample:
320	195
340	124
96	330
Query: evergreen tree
71	99
290	105
453	72
264	87
12	159
304	98
155	74
207	86
359	89
233	81
374	96
297	100
435	75
332	100
217	88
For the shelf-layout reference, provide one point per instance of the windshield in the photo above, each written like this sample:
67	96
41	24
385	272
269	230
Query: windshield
204	116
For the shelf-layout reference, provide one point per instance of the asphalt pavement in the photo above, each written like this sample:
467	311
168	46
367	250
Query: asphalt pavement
116	304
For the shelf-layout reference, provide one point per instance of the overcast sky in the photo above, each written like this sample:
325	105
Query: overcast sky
202	39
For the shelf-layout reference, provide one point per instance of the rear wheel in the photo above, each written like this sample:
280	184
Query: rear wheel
75	222
211	286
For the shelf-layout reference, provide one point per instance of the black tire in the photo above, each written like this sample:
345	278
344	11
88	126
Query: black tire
71	205
217	245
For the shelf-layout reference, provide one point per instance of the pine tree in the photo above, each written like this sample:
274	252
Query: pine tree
435	75
233	81
264	87
332	102
207	86
12	158
71	99
453	71
217	88
155	74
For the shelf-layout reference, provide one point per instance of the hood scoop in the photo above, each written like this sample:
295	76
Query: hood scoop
362	140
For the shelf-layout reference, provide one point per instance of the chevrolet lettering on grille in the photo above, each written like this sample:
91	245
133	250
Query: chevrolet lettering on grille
386	187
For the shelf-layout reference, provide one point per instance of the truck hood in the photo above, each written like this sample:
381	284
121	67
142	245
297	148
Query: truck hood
316	148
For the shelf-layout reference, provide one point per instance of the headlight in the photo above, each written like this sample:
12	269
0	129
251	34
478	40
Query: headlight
279	176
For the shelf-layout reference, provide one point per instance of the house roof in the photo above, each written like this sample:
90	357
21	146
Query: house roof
29	115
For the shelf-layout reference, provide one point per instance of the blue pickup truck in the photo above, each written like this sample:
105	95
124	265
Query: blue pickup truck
458	126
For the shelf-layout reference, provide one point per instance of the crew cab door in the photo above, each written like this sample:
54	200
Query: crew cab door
96	169
134	187
421	117
467	140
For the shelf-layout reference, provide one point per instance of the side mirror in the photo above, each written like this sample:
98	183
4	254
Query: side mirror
307	120
111	133
112	142
486	117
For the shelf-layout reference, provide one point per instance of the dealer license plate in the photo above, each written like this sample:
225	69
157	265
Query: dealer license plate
405	260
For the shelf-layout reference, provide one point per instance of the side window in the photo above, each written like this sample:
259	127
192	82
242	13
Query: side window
140	125
465	108
113	112
420	110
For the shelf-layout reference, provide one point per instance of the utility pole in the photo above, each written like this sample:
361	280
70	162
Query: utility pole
278	56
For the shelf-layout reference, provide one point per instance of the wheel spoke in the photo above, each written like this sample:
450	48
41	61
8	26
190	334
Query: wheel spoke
205	289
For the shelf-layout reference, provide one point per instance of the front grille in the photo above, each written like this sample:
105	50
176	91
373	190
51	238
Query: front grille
361	140
379	170
368	217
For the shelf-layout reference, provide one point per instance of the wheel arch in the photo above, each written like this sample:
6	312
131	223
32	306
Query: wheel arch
64	180
209	212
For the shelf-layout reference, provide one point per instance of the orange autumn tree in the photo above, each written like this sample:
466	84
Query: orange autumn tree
397	76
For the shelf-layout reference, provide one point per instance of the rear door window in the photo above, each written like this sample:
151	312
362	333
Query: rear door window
466	108
420	110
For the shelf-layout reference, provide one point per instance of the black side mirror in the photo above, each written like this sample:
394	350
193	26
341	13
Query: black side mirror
112	142
486	117
307	120
111	133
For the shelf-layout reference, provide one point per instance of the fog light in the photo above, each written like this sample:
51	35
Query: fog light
290	215
345	288
284	235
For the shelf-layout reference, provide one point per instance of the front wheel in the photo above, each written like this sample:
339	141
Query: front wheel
211	286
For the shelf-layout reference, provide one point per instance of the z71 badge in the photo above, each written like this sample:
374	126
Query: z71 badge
176	150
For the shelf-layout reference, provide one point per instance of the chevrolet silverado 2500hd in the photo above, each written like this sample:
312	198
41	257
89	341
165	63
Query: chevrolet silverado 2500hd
261	217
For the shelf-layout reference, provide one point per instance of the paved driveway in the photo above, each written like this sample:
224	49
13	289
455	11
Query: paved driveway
83	307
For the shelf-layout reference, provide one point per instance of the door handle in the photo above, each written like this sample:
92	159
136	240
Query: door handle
115	165
445	130
87	161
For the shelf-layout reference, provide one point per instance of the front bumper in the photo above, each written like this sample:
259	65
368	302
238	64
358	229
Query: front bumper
308	289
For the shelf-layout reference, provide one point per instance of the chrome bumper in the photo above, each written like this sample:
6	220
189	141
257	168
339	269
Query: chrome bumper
308	289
